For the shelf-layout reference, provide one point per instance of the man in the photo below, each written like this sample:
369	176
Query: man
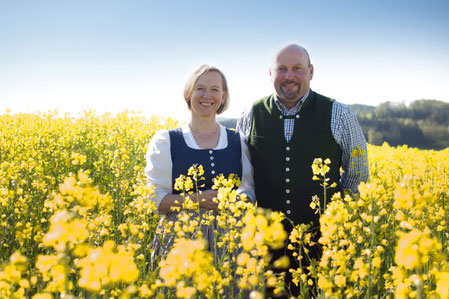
286	131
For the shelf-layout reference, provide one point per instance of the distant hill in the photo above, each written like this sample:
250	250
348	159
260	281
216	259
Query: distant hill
359	108
423	123
227	122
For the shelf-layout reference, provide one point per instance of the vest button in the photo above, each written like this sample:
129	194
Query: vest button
289	212
211	151
287	159
287	201
287	148
287	191
297	115
211	158
213	172
212	164
280	116
287	180
287	169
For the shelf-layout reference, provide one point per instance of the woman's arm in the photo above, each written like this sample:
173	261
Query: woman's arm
158	169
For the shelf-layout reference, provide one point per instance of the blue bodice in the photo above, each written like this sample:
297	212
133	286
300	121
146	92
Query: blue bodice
222	161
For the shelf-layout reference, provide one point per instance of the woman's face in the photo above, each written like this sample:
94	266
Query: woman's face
207	95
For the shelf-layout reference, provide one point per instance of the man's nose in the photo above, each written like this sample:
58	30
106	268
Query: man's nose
288	74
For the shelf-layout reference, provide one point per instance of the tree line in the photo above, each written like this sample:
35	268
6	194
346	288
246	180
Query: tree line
423	123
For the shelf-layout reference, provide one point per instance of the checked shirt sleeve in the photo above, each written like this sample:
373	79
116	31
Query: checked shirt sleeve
349	136
244	124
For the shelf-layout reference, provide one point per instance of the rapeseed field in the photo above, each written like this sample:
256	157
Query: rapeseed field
77	222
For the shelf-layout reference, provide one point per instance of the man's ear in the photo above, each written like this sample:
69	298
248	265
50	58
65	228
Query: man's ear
311	71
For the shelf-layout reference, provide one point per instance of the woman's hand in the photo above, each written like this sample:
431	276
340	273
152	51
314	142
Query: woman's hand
206	200
176	200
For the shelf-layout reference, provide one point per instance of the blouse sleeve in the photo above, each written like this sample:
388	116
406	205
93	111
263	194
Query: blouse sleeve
247	182
158	169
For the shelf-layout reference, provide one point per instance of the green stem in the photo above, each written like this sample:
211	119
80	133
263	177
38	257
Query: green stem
325	193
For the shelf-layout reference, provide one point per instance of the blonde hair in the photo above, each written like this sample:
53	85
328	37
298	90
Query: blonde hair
191	81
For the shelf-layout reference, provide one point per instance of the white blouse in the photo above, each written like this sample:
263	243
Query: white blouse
159	164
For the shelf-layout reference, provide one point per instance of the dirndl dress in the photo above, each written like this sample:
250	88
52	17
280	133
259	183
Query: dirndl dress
224	161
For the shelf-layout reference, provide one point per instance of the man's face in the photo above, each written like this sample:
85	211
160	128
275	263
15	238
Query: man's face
291	75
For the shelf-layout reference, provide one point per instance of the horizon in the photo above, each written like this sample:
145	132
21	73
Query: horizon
113	56
219	117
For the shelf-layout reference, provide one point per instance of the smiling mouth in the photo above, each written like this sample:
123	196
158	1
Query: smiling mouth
206	104
290	85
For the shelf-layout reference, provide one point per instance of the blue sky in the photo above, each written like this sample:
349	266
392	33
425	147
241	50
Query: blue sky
136	55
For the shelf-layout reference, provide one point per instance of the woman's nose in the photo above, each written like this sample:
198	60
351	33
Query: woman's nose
207	93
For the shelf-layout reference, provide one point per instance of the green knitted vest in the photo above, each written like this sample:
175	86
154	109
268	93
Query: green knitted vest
282	171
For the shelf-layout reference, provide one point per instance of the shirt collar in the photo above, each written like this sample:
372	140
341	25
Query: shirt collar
294	110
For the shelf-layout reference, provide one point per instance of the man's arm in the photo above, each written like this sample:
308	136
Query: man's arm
348	134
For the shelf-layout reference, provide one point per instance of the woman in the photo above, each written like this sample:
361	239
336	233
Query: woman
202	141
